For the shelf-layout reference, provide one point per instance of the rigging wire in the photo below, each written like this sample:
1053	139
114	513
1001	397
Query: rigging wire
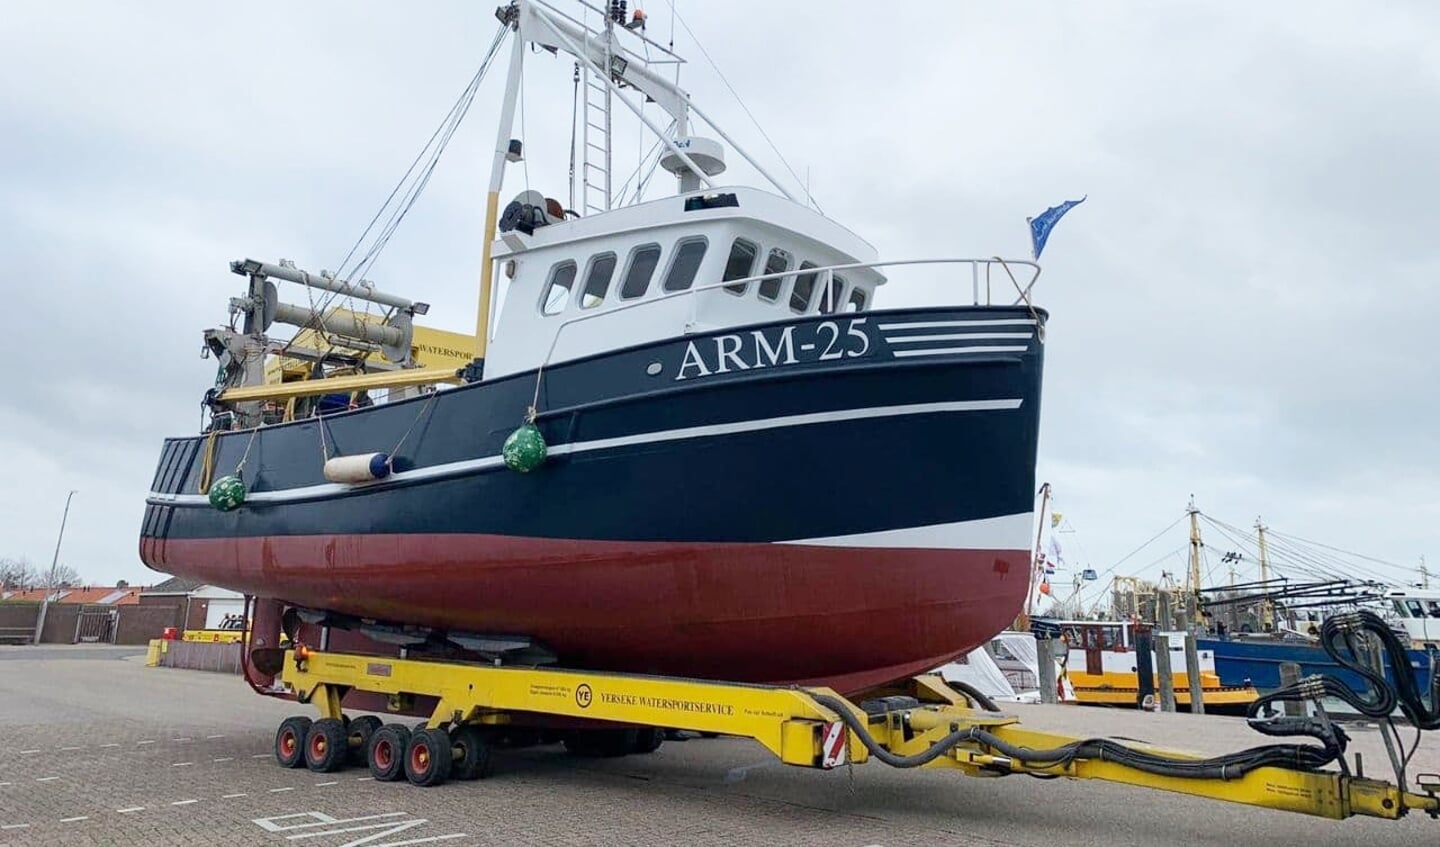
416	179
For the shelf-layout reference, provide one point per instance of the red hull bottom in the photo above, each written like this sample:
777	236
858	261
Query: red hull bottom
847	617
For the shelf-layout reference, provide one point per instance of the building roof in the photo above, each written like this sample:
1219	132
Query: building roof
89	595
174	585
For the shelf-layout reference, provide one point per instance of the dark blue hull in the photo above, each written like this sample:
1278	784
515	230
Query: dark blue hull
838	500
1257	663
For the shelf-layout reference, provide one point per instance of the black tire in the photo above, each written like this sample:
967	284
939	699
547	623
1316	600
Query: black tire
649	739
472	752
361	730
428	758
326	745
290	742
386	753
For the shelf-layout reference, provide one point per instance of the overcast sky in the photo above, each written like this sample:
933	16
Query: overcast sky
1240	311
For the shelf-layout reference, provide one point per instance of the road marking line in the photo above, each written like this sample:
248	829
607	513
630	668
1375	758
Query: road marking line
224	759
111	744
72	820
215	736
233	796
28	752
131	809
2	784
278	790
181	764
15	826
46	778
68	749
320	784
363	778
179	739
184	802
261	756
138	743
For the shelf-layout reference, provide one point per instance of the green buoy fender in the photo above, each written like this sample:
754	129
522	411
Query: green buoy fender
227	493
524	450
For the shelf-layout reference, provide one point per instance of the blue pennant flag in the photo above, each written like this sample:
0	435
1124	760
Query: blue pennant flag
1041	226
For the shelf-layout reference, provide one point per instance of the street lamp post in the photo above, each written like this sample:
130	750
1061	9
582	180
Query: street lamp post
54	562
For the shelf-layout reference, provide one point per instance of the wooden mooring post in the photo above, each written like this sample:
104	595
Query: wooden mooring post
1166	675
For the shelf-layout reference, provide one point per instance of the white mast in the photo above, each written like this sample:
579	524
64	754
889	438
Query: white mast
492	200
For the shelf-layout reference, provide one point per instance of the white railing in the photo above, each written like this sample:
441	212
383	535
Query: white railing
825	274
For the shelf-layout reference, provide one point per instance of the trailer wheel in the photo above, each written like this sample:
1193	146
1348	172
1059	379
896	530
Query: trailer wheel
290	742
472	749
326	745
649	739
428	757
386	754
361	730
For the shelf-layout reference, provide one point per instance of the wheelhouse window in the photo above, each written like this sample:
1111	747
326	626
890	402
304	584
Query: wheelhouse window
643	261
557	290
804	291
597	281
858	298
740	265
833	297
777	262
685	265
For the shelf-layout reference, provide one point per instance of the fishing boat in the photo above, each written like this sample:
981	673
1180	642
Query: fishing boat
692	441
1103	667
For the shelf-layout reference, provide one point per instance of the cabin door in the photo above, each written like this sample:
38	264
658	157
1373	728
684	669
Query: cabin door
1090	638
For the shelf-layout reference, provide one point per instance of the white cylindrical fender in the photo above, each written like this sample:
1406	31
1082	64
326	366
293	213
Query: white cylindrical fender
365	467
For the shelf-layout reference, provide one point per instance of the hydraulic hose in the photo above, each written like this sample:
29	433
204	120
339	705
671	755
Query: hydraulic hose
1340	636
976	695
1233	766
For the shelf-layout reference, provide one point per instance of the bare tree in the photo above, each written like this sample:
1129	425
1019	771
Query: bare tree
67	577
18	575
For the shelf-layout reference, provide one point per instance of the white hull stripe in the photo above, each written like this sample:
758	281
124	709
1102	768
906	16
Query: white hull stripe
468	466
951	324
941	351
1008	532
964	336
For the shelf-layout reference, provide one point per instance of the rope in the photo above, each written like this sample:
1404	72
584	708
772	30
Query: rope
324	449
240	468
1024	295
207	461
532	412
430	401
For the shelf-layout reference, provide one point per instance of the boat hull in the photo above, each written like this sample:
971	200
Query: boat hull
1257	663
847	617
844	521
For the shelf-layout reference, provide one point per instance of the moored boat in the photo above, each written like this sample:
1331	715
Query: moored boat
689	444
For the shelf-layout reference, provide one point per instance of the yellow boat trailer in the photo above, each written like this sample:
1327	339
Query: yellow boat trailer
919	723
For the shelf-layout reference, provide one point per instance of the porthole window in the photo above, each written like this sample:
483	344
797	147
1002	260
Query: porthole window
557	290
833	297
777	262
597	281
740	265
643	261
804	291
685	264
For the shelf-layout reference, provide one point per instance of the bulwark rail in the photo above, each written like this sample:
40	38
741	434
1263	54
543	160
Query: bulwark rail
825	275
